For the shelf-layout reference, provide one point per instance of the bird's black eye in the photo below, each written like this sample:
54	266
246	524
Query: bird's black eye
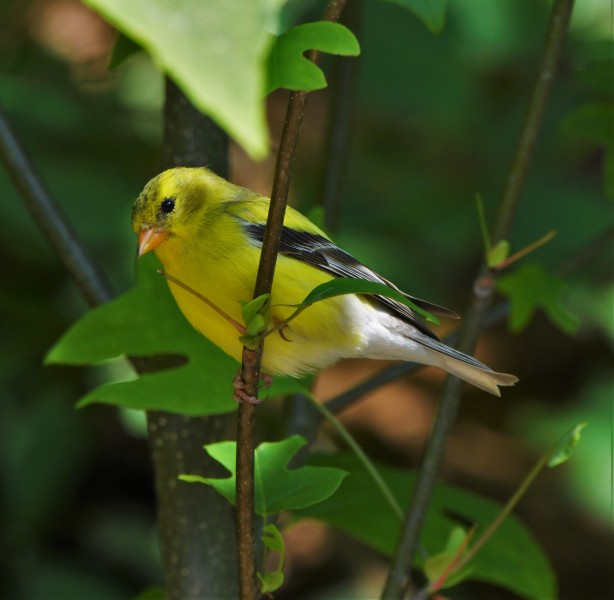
168	205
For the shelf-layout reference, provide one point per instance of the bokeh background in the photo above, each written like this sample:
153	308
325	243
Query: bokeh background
435	121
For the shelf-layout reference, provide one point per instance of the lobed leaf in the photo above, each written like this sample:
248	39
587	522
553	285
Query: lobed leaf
289	68
215	51
512	558
277	488
532	287
201	385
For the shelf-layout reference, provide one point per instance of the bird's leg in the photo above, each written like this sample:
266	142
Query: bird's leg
240	395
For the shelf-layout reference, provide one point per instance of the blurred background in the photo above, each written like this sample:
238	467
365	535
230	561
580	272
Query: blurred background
435	121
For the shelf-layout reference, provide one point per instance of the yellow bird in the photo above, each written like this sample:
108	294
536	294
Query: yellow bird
208	234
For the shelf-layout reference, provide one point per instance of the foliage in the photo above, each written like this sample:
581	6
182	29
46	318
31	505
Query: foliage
123	328
277	487
512	557
532	287
436	118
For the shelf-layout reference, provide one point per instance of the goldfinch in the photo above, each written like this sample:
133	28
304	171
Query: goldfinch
208	234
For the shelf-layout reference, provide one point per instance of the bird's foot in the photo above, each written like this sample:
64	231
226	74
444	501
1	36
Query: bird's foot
239	393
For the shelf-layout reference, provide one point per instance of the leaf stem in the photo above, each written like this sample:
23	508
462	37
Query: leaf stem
360	454
398	577
526	250
483	225
505	511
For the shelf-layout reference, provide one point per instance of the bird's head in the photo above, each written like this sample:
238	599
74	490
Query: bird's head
172	205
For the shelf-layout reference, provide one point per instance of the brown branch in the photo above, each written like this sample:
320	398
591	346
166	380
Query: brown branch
250	367
398	578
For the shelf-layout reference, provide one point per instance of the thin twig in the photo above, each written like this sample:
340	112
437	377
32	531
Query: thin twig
50	219
250	367
398	578
360	454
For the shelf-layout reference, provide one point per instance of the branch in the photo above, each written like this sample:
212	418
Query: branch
398	577
250	367
195	523
50	219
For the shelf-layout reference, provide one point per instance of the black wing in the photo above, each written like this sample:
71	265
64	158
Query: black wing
320	252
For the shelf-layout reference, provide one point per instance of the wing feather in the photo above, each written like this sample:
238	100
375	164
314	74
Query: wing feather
316	250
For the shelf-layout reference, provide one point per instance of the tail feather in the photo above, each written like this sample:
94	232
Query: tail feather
468	368
482	377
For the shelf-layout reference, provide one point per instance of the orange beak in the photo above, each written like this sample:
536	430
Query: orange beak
149	239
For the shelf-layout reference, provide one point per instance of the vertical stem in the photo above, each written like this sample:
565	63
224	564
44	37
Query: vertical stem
195	522
250	369
398	578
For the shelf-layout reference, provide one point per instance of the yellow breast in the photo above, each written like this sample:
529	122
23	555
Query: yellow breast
225	272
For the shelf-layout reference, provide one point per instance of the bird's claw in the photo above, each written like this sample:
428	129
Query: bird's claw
239	393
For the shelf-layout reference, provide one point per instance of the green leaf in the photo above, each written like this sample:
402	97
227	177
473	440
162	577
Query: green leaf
436	565
289	68
532	287
347	285
254	319
270	581
288	386
513	559
272	539
215	51
498	253
431	12
592	122
254	307
146	322
256	326
277	488
562	451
